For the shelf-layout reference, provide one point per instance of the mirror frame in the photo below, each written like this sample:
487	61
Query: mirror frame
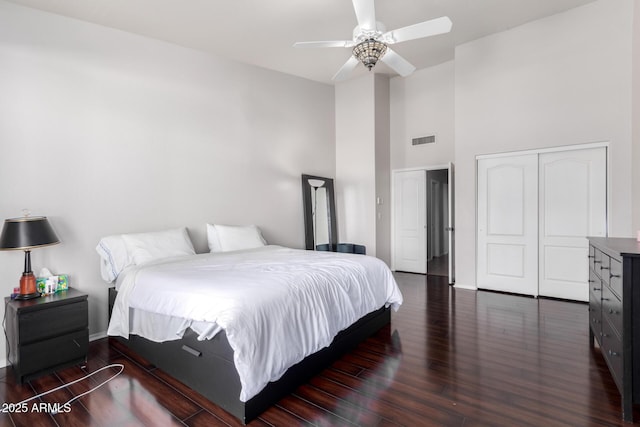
308	212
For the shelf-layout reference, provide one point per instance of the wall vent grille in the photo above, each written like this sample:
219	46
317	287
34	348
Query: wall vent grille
424	140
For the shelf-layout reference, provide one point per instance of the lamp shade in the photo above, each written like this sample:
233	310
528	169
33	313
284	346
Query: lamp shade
316	183
27	233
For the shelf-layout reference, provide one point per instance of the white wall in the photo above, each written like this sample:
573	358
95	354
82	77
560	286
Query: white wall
382	168
561	80
363	163
423	104
108	132
355	161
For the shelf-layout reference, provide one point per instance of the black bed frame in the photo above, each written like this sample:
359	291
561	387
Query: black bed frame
207	366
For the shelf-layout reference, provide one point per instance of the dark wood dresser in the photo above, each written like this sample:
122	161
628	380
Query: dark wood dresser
614	312
46	334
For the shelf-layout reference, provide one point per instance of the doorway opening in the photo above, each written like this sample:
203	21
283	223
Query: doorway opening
437	222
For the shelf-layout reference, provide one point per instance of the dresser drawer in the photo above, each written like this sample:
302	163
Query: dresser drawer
604	268
612	352
55	351
47	323
615	276
595	318
595	286
592	257
595	305
612	309
597	260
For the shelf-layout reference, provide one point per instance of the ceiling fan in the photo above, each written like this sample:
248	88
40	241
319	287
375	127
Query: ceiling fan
371	41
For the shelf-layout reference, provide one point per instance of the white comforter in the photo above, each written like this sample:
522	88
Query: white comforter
277	305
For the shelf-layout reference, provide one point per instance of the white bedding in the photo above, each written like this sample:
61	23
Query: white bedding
277	305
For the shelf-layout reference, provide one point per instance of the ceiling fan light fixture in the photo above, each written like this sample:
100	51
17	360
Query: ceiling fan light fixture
369	51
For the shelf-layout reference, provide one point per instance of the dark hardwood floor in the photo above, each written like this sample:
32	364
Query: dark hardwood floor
451	357
438	266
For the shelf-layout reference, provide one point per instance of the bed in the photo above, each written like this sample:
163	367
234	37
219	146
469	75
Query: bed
244	327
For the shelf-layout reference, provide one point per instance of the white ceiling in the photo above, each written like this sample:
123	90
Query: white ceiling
262	32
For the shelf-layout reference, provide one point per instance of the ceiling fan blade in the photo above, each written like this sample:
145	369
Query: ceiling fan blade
366	14
335	43
423	29
346	69
397	63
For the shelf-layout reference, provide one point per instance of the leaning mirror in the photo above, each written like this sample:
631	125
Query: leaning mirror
319	213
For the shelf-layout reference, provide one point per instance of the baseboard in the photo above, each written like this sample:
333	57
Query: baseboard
461	286
98	336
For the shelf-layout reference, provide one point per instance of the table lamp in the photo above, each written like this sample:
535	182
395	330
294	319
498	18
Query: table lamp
27	233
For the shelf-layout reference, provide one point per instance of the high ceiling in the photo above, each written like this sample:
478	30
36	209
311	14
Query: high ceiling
262	32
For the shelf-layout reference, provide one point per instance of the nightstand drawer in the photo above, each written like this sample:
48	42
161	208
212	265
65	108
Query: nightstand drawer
48	353
37	325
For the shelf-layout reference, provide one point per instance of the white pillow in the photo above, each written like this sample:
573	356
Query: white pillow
144	247
113	257
223	238
212	239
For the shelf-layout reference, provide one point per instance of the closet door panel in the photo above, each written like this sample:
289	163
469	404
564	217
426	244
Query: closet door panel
572	207
506	200
507	224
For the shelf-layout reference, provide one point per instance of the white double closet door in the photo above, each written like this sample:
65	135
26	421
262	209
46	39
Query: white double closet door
534	213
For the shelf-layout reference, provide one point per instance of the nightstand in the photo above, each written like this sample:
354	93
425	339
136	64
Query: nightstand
46	334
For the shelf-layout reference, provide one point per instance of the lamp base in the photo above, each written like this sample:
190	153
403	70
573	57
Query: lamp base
27	287
27	296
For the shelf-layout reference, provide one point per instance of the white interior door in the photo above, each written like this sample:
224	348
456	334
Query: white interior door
410	221
508	224
573	205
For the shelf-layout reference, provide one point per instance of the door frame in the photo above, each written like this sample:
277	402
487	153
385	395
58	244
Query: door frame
446	166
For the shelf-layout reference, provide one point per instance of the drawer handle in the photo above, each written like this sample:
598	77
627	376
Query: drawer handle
591	256
611	276
192	351
612	353
603	268
605	299
596	289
